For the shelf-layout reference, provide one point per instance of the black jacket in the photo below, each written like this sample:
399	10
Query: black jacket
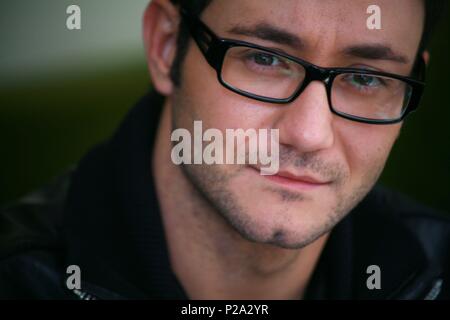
103	216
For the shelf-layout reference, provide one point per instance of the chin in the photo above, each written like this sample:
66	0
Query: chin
287	240
284	234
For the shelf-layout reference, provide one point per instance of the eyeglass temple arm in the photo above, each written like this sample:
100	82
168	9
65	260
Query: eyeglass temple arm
202	35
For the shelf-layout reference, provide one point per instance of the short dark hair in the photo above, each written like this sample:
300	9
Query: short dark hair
433	12
195	7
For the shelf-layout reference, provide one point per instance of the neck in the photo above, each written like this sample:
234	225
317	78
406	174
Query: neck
209	258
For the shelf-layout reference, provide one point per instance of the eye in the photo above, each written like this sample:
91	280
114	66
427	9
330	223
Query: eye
262	63
362	80
265	59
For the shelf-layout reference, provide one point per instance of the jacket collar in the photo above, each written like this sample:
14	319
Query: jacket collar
115	234
113	228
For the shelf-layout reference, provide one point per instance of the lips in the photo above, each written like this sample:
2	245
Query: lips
296	181
301	178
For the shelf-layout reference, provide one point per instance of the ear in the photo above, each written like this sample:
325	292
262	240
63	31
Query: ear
426	56
160	30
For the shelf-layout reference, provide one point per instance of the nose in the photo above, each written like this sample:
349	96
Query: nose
306	123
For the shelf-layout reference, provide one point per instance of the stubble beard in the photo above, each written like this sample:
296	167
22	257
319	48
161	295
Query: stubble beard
214	187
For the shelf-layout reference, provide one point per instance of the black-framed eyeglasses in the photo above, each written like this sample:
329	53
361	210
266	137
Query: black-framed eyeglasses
271	76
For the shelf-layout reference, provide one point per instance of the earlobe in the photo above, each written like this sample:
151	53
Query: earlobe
160	27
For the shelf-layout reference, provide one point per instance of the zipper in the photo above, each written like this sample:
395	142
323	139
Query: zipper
435	290
83	295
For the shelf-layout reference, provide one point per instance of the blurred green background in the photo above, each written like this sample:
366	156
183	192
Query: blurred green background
63	91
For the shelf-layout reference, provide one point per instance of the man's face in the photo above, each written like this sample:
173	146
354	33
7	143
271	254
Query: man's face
346	156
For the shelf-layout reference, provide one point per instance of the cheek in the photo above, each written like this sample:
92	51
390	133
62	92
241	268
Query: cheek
202	97
367	147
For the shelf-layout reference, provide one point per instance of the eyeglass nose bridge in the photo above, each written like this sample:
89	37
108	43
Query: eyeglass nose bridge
315	73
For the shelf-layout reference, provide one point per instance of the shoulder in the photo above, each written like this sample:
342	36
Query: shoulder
35	219
429	226
31	245
33	274
409	240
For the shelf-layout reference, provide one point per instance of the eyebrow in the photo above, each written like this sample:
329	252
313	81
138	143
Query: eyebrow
375	52
265	31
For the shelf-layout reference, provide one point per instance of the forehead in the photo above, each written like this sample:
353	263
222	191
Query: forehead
326	24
